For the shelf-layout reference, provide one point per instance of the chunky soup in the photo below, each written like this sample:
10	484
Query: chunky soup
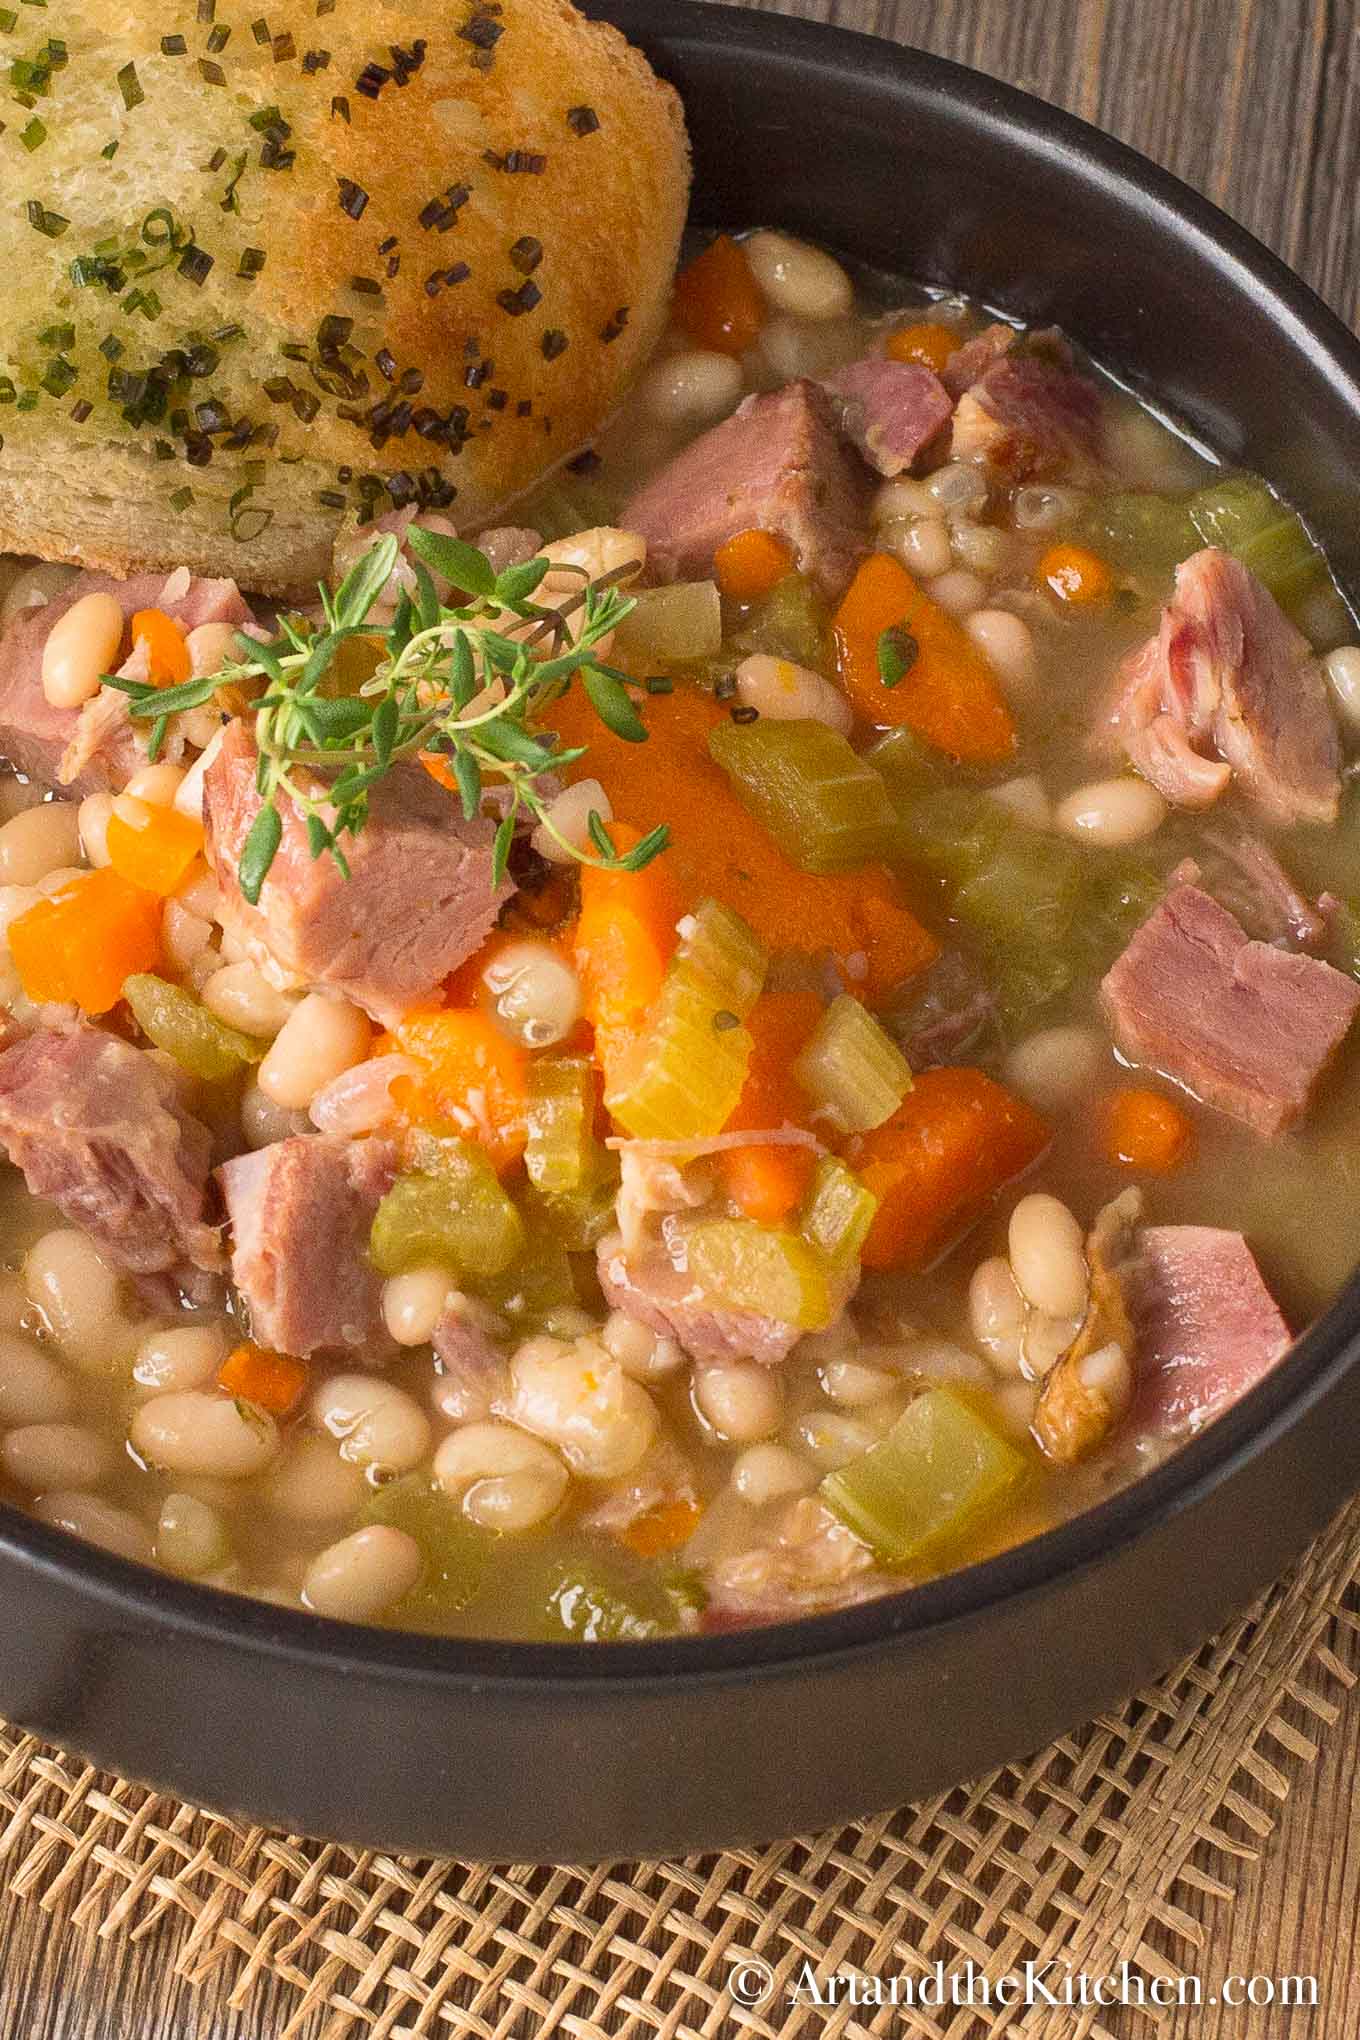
769	1028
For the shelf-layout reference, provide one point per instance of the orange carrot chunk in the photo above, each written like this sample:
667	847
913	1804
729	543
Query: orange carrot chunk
1146	1131
79	944
903	659
1074	575
624	939
717	299
473	1077
767	1183
751	564
167	653
273	1381
662	1529
956	1138
929	345
153	847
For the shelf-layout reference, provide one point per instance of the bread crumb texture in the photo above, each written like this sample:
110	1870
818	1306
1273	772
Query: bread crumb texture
267	270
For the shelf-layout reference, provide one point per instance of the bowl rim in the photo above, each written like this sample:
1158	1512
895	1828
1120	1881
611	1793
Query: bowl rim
1318	1358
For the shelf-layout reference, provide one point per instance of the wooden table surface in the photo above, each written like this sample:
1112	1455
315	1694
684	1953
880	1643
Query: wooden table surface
1257	103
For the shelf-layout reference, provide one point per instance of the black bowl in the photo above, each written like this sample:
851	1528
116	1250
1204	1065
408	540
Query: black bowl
567	1752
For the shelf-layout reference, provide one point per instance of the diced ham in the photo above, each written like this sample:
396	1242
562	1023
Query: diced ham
665	1479
648	1287
471	1370
1030	415
98	1130
1246	1027
969	363
301	1212
951	1013
74	748
1246	877
1228	689
815	1562
419	899
777	465
890	410
1207	1327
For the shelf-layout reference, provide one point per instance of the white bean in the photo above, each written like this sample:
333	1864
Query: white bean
1057	1066
242	995
770	1473
34	1388
791	347
1026	799
1111	812
97	1521
1048	1258
1342	668
311	1483
354	1580
601	550
1108	1372
996	1312
739	1399
693	388
189	793
535	992
179	1357
38	841
378	1424
157	785
191	1538
81	647
78	1294
902	499
58	880
322	1037
852	1384
1046	1340
579	1399
832	1440
504	1479
1044	507
570	816
263	1122
1007	643
933	1359
799	279
413	1303
784	692
642	1353
1016	1403
185	937
194	1432
922	545
209	646
39	1456
958	591
93	823
958	488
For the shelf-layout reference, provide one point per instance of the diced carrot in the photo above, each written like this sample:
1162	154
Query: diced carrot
1075	575
717	299
153	847
624	940
79	943
767	1183
166	650
751	564
473	1076
929	344
956	1138
662	1529
274	1381
1146	1131
946	693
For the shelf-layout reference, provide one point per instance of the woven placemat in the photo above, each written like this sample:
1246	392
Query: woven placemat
1087	1854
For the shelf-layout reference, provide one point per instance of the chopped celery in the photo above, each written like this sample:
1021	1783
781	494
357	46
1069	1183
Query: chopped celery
531	1288
576	1220
601	1595
760	1268
453	1213
904	761
1241	515
455	1552
672	624
939	1472
1141	530
790	623
851	1069
184	1028
824	805
561	1150
684	1075
837	1213
1028	891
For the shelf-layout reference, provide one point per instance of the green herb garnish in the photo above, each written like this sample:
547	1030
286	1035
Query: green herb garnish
449	681
898	652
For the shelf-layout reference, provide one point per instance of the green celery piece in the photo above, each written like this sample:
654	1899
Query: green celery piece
1241	515
837	1213
721	952
824	805
456	1553
1028	891
791	623
1141	530
459	1218
851	1069
539	1282
937	1475
561	1149
764	1269
575	1220
183	1027
905	763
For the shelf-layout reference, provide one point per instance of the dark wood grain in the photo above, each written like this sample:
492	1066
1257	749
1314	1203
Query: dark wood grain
1257	103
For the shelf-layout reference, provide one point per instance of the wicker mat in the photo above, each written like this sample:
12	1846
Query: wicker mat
1087	1853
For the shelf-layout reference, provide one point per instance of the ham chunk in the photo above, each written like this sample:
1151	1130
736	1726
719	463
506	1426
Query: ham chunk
98	1130
648	1287
1246	1027
88	750
1207	1328
890	410
775	465
969	363
418	901
1030	415
1228	690
301	1212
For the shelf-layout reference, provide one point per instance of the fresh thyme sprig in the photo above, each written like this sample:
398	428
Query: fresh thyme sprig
466	683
